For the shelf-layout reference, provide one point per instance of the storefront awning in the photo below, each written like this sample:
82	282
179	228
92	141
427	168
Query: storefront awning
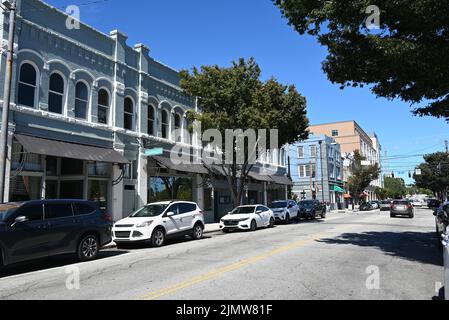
190	168
259	177
69	150
282	180
339	189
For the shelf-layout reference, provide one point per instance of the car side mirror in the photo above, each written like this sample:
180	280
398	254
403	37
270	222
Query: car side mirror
259	212
19	220
170	214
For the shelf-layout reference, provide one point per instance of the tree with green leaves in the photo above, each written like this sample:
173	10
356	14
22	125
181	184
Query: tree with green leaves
434	174
395	187
235	98
361	176
381	193
404	58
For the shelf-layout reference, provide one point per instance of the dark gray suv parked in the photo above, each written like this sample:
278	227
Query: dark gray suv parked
39	229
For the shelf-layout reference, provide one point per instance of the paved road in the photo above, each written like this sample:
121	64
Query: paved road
332	259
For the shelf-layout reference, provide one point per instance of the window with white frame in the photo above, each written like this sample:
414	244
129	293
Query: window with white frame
103	106
81	100
150	122
27	85
56	93
300	152
306	171
313	151
178	125
165	124
128	114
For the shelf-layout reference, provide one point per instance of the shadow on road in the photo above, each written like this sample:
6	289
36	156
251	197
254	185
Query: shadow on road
413	246
50	263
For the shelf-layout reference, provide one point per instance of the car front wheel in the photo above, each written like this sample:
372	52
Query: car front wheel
88	248
271	225
253	226
158	238
287	219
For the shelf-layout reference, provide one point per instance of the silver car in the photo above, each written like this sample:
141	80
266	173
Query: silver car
402	208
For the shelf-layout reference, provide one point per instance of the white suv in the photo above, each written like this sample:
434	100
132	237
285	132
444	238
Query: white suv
156	222
285	210
247	218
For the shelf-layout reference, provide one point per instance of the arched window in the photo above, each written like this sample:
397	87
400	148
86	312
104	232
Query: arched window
81	100
176	133
128	114
27	85
56	93
103	106
151	117
165	124
187	134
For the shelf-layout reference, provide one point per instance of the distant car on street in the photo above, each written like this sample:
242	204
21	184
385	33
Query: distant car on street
433	204
375	204
285	210
417	203
247	218
385	205
402	208
312	209
38	229
156	222
366	206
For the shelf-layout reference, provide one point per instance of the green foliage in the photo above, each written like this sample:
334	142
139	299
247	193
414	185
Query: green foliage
395	187
361	176
236	98
434	174
381	193
404	59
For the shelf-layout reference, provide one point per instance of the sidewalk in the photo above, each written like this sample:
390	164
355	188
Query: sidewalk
212	227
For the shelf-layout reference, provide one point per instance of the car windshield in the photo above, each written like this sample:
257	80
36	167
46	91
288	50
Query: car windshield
243	210
6	210
307	204
279	205
152	210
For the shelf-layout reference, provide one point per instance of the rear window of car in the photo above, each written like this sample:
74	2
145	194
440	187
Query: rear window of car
186	207
401	202
58	210
82	209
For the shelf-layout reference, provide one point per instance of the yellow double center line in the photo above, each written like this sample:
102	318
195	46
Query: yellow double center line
218	272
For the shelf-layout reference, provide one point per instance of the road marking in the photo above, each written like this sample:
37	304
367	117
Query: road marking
226	269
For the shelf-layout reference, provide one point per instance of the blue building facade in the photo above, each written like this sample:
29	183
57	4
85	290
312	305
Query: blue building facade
80	89
316	168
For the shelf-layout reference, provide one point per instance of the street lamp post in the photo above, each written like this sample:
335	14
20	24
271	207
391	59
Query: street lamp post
11	7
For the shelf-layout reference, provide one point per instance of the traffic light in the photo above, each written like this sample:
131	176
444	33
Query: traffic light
392	175
409	174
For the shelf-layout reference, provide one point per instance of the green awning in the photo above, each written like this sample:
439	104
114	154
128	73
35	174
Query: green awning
338	189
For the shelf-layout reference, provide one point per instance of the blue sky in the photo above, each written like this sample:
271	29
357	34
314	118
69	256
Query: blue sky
190	33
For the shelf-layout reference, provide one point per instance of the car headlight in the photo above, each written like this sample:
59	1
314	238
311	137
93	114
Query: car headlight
144	224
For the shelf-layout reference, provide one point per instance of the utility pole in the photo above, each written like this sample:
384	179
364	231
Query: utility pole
11	7
322	173
446	142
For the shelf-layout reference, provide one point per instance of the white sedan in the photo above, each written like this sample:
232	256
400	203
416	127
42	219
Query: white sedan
247	218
